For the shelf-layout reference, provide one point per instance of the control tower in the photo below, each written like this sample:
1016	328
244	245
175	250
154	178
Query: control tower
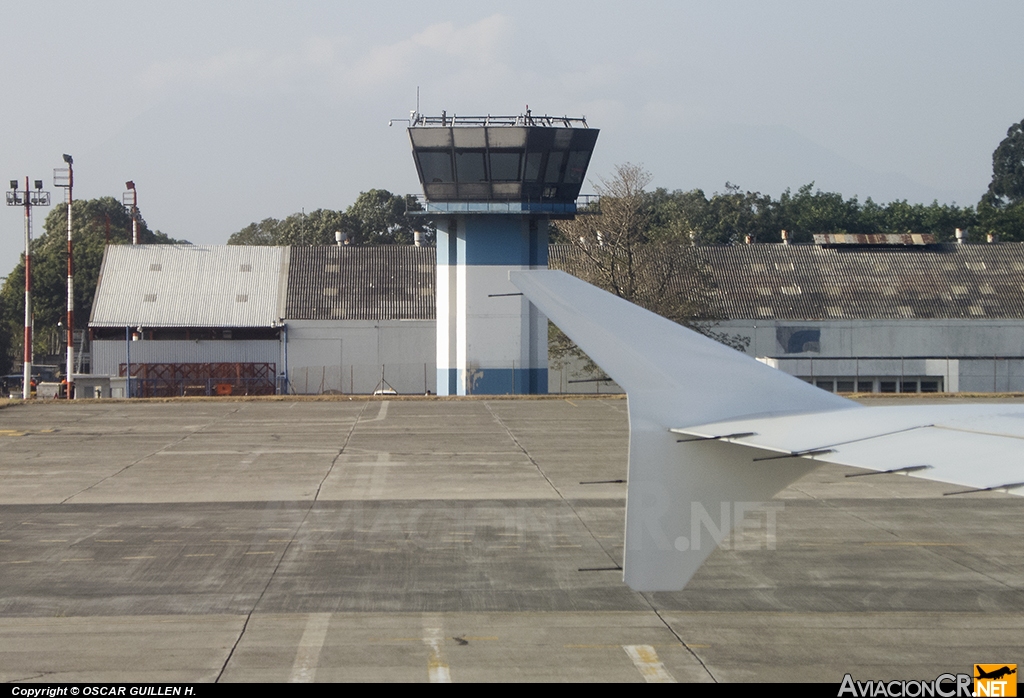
492	184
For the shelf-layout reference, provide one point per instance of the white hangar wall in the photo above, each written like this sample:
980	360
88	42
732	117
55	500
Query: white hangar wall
892	338
964	355
350	356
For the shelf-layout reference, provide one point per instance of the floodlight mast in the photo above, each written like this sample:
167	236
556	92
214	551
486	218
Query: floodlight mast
28	199
62	178
133	209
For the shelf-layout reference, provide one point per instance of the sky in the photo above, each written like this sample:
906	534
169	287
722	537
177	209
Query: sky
225	113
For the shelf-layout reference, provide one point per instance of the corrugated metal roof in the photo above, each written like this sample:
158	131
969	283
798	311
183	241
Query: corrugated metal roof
200	286
875	239
809	282
384	282
188	286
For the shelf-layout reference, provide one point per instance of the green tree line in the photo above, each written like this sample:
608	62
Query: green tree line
377	217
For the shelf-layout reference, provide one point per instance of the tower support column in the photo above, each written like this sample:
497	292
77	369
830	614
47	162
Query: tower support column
490	339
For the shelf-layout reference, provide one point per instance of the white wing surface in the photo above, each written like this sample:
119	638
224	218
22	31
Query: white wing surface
975	447
712	430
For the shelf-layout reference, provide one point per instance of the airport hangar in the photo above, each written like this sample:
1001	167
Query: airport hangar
850	313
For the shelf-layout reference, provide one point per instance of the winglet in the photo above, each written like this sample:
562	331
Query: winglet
683	498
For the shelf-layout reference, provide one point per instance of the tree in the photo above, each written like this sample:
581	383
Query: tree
377	217
94	222
381	218
621	251
1007	186
1001	209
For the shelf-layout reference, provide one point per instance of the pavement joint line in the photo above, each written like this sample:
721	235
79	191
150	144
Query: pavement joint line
678	637
645	659
540	470
344	445
150	455
280	559
958	562
308	654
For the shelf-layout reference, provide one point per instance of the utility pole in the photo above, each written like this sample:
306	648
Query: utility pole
28	199
66	178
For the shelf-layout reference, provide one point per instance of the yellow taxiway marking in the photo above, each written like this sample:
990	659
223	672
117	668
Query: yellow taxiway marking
19	562
166	540
224	540
19	432
914	543
566	546
53	540
139	557
262	552
572	403
280	540
645	659
201	555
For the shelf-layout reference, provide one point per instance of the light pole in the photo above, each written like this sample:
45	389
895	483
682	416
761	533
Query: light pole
132	196
28	199
66	178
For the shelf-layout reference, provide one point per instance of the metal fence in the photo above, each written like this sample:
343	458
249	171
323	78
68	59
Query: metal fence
174	380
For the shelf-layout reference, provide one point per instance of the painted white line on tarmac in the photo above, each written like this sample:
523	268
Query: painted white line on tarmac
645	659
437	664
308	654
381	416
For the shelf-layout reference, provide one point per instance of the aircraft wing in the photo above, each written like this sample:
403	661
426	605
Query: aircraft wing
713	431
974	447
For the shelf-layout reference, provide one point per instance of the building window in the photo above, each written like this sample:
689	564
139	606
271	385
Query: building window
436	166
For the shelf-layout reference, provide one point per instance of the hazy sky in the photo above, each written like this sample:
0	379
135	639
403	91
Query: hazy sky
224	113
